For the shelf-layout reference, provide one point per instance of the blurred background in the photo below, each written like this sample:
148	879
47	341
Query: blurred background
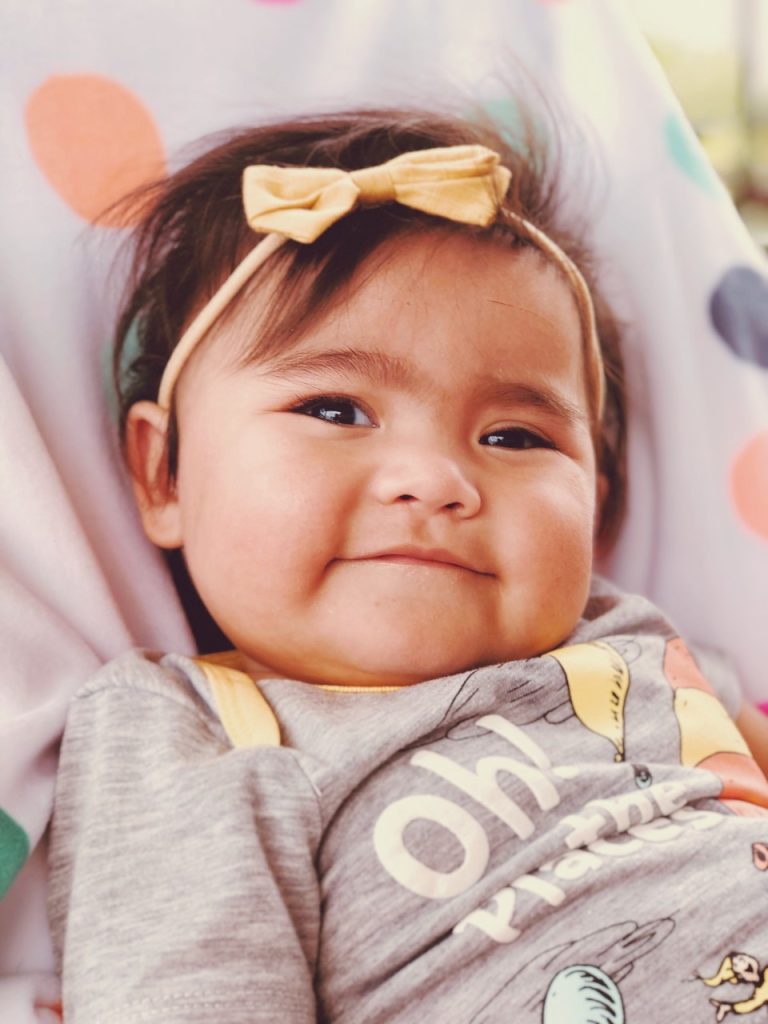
715	55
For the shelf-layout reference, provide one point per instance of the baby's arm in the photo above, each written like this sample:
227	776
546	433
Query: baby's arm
175	897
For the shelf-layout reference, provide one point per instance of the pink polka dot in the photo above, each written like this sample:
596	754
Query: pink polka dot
749	484
94	141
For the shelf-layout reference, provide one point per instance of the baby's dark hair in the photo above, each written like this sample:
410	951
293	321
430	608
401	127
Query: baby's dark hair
193	234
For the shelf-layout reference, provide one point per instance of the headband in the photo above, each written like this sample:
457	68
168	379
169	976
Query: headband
465	184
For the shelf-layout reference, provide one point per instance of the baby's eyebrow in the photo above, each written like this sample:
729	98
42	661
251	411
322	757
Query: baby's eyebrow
376	366
537	396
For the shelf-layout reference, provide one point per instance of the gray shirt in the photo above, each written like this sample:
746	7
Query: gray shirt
574	837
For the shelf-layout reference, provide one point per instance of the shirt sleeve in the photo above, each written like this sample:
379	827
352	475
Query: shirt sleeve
182	884
721	675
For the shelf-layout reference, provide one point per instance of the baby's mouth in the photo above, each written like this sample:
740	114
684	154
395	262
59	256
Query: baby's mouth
438	558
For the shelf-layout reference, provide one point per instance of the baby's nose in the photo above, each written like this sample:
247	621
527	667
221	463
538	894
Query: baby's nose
428	481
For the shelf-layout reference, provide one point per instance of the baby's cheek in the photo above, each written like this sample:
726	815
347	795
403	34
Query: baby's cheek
558	548
567	544
555	514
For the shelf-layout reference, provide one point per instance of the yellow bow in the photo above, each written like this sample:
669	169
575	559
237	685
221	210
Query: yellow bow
460	183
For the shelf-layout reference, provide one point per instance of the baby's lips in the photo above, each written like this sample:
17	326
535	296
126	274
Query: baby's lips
426	554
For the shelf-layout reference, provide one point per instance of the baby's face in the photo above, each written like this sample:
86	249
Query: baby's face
410	490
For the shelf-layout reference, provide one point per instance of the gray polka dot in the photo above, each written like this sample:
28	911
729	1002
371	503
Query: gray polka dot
739	312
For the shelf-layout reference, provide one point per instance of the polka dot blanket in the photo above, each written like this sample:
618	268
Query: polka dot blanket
99	97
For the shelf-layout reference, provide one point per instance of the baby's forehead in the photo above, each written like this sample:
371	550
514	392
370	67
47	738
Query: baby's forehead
437	323
401	279
505	302
479	284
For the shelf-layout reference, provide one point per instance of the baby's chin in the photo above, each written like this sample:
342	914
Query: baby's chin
391	669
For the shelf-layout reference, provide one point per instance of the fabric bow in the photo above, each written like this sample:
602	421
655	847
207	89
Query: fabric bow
460	183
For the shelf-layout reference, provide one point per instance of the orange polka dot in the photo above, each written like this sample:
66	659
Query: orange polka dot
94	141
749	483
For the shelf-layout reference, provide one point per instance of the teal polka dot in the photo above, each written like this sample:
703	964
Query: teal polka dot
505	114
130	351
516	126
686	151
14	850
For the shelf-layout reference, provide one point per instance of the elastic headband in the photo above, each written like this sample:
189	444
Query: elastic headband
466	184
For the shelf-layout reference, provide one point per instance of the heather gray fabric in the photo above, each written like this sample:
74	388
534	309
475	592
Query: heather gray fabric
524	842
720	673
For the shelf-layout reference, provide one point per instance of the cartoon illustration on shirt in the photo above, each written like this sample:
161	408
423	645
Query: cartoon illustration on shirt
735	968
570	974
598	681
709	737
525	697
583	994
760	856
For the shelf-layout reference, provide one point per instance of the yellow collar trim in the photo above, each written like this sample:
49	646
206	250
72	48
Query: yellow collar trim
243	710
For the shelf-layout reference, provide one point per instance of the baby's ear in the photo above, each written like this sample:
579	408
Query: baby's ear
146	451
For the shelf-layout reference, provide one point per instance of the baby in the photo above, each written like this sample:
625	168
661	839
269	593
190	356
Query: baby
441	772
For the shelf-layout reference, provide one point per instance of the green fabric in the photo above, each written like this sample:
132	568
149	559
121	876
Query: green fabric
14	849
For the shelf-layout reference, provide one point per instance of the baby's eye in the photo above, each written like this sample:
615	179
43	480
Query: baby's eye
516	438
333	409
